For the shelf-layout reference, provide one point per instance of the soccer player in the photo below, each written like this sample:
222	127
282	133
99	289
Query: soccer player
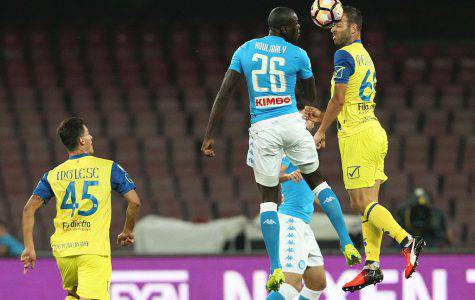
300	255
82	187
272	65
363	146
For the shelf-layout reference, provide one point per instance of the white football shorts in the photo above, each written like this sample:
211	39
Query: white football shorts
270	139
297	245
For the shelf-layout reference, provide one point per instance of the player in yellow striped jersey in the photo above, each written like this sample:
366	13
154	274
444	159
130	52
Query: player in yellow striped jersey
82	187
363	146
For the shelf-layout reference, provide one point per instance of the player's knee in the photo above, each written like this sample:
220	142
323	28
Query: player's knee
316	284
357	204
309	168
295	281
269	194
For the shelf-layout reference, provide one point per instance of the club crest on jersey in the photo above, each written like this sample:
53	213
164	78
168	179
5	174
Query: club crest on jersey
272	101
338	72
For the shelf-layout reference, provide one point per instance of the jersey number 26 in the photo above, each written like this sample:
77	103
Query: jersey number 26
269	68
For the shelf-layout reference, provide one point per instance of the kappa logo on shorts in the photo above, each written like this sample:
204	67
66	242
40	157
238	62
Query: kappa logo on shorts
353	172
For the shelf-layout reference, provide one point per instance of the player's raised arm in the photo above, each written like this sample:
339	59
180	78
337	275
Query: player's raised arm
28	257
230	80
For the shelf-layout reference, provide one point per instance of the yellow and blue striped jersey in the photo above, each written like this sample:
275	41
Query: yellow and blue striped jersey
82	187
353	65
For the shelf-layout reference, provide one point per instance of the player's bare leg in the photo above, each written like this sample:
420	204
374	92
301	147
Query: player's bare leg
365	201
270	231
315	282
294	279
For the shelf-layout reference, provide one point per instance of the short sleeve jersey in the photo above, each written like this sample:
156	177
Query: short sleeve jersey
271	66
353	66
82	187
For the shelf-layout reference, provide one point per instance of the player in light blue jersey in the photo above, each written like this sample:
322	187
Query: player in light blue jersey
300	255
272	65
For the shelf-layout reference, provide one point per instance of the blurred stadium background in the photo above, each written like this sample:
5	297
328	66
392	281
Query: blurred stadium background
144	74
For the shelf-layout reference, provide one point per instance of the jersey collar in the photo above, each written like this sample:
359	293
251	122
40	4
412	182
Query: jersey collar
78	156
276	37
357	41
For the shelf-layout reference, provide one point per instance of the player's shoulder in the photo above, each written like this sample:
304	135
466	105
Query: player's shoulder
246	45
296	49
101	160
343	54
61	166
352	49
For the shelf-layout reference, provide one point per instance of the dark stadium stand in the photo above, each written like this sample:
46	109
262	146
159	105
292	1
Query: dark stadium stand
146	93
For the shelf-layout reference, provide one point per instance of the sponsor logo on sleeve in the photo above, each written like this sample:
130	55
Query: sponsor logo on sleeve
339	71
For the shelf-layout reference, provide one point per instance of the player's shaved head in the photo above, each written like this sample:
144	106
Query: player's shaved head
281	16
283	22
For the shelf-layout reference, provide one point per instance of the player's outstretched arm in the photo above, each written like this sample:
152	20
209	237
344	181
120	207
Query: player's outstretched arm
28	257
335	105
230	80
126	237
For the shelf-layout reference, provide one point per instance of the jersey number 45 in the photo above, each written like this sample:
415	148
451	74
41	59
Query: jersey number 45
73	205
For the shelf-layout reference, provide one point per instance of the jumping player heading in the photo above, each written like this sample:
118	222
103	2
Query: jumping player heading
272	65
363	146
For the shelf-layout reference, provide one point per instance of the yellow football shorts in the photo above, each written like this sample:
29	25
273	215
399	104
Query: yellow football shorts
90	273
362	157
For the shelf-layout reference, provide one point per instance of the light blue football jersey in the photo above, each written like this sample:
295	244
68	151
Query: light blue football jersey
297	197
271	67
